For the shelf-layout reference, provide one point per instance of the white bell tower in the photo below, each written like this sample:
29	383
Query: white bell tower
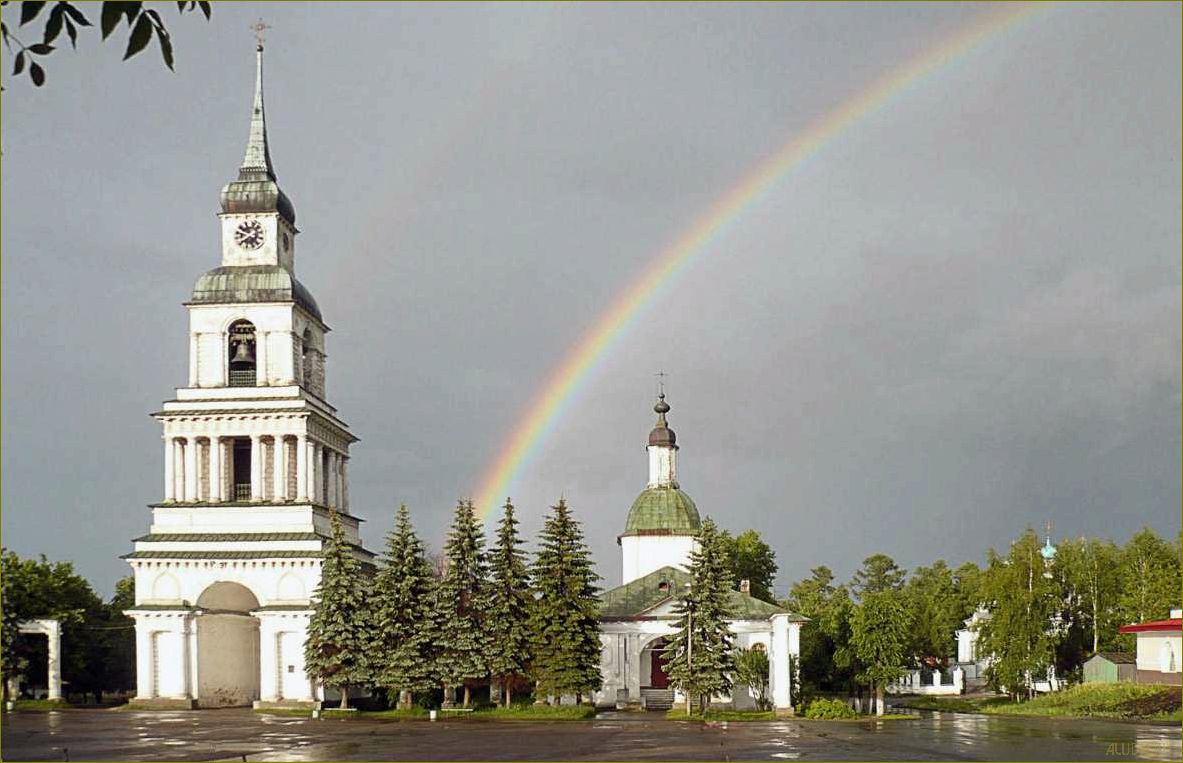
255	459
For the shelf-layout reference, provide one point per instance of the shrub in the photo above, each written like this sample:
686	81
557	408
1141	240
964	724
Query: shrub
828	709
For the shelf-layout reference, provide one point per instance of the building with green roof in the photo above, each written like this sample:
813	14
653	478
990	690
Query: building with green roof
638	616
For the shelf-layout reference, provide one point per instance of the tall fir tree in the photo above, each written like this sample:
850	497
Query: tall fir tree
336	652
461	607
564	620
701	662
510	600
402	614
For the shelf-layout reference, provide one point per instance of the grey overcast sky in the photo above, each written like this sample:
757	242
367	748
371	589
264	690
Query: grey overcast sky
960	318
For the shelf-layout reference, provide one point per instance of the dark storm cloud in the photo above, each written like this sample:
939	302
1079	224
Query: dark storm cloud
958	319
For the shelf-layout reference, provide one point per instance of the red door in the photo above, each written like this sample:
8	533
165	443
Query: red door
657	675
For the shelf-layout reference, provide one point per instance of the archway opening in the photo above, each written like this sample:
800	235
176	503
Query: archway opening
227	646
654	665
242	354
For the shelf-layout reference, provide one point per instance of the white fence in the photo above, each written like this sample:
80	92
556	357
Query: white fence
913	683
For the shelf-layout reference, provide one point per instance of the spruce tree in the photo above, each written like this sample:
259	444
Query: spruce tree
402	617
510	599
460	610
564	621
701	662
336	651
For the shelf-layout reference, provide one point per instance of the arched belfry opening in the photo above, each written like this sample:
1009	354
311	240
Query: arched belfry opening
242	354
227	646
305	358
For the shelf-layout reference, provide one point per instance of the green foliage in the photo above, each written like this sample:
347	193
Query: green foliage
938	609
881	631
878	573
144	23
402	614
510	600
337	650
1150	578
822	709
751	559
33	589
679	714
751	670
461	605
564	623
1099	700
701	662
1022	601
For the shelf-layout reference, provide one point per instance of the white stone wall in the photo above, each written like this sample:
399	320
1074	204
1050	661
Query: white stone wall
1159	651
281	332
642	554
272	252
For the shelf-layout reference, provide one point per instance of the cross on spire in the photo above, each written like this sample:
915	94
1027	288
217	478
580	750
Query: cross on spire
660	383
259	27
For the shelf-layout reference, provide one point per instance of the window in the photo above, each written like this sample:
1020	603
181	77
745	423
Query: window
242	354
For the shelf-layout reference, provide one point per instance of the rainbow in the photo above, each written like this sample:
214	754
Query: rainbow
566	380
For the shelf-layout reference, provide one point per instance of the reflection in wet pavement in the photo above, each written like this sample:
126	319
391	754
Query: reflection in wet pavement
237	734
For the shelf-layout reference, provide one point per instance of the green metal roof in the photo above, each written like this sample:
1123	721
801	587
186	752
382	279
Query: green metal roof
662	511
252	283
217	537
310	554
638	597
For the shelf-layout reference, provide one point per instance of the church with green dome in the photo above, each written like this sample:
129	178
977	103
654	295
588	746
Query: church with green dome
637	617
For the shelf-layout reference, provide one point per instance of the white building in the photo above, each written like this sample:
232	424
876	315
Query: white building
638	617
254	460
1159	644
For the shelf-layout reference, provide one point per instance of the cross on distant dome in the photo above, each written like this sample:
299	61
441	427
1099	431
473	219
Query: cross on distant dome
660	382
259	27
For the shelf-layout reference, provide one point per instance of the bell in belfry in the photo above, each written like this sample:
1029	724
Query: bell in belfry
244	356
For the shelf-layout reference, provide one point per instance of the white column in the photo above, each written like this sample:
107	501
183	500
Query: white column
256	468
318	484
191	469
261	376
279	475
189	655
143	660
268	661
53	634
215	469
779	658
334	483
345	483
301	468
170	477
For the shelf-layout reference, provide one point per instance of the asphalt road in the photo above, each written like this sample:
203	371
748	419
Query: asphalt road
243	735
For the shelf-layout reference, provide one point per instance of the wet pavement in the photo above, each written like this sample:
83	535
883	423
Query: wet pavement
244	735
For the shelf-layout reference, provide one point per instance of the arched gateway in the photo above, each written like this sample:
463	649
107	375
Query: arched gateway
254	460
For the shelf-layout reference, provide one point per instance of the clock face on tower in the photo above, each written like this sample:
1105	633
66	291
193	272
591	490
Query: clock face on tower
249	235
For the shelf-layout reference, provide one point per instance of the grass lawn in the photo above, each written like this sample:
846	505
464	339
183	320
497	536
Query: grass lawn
950	704
42	705
1119	700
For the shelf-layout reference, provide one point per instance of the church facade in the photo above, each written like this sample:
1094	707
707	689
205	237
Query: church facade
637	618
255	458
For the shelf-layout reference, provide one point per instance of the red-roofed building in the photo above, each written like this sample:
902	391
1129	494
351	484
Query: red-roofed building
1160	643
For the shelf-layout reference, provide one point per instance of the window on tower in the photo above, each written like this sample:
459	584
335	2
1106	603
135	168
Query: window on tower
242	354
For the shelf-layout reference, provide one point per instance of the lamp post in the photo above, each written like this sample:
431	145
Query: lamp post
689	647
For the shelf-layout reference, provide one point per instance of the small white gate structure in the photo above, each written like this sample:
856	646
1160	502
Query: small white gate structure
52	630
